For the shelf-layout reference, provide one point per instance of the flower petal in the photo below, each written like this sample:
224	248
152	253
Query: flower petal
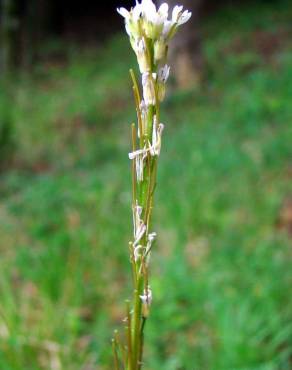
185	16
176	12
148	8
137	11
163	11
124	12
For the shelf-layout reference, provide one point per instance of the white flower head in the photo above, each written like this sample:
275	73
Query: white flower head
154	22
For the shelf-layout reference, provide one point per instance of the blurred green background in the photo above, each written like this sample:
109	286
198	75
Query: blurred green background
221	269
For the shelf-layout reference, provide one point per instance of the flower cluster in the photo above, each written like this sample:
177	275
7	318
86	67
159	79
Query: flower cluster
146	24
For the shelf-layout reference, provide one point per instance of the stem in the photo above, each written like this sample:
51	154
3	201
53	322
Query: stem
142	343
115	351
142	195
129	339
137	314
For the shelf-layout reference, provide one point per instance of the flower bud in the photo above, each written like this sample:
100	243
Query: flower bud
159	49
163	75
148	89
141	52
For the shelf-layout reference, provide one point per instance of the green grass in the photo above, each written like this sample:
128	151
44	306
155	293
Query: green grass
221	272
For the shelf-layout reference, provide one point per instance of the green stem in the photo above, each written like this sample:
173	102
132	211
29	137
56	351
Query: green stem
142	343
137	315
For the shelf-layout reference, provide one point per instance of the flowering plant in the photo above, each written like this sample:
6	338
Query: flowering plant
150	32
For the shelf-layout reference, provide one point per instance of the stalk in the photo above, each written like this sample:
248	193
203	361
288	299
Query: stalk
150	33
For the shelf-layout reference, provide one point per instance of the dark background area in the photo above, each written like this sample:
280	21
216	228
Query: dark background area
35	21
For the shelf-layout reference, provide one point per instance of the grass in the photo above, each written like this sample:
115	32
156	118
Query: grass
222	268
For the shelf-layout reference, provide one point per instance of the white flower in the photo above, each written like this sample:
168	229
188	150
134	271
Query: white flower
179	17
153	19
186	15
134	14
137	11
155	23
150	13
163	11
131	19
176	12
149	10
